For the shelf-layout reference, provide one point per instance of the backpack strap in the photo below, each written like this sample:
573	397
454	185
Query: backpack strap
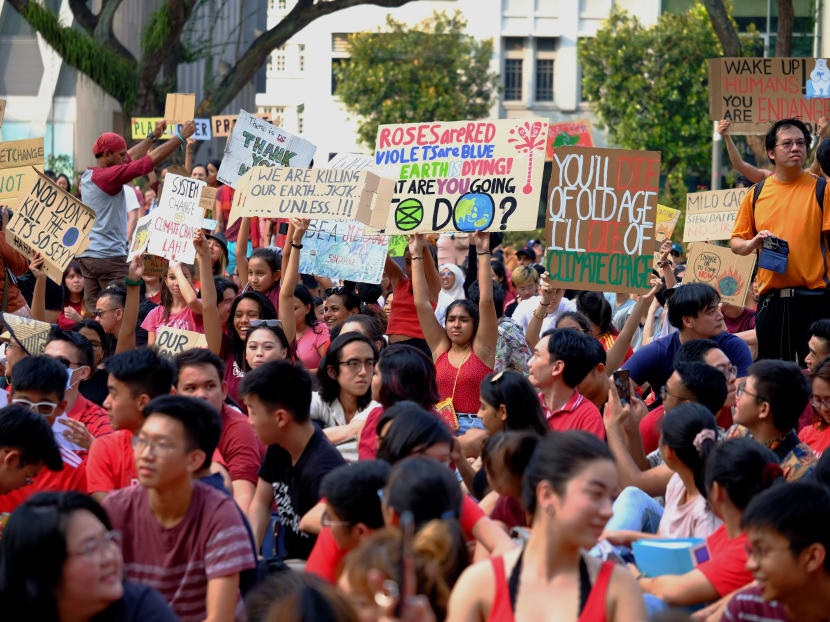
821	186
755	194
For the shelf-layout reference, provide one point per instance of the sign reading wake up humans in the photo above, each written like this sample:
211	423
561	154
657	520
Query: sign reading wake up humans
602	205
463	175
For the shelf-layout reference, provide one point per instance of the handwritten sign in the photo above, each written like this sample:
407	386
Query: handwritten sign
29	333
171	341
2	111
176	219
222	125
728	273
602	205
754	93
17	153
180	107
49	221
142	126
711	215
254	143
155	266
570	134
13	180
665	223
343	250
463	175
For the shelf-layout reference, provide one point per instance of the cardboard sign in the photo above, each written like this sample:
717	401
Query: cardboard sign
255	143
29	333
180	107
599	225
711	215
222	125
170	341
665	223
463	175
142	126
176	219
571	134
49	221
155	266
321	193
13	180
17	153
141	237
754	93
207	200
343	250
397	245
2	111
728	273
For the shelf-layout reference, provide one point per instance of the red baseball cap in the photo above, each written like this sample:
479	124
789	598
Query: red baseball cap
108	141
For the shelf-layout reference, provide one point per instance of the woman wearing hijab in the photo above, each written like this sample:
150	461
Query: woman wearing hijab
452	288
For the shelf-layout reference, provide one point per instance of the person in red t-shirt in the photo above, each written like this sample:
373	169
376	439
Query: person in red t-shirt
199	374
817	434
135	378
561	360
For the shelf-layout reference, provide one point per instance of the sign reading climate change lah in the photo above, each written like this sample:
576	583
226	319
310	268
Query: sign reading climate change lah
463	175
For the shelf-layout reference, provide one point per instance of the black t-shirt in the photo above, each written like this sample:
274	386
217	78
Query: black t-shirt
54	292
296	489
140	603
94	388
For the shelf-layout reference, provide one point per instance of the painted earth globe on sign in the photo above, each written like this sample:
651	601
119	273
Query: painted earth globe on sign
473	212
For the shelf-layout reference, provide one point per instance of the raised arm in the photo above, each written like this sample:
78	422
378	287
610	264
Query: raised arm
242	250
431	272
140	149
210	307
39	295
188	155
434	334
126	334
186	287
752	173
615	355
291	275
393	271
534	326
487	335
161	153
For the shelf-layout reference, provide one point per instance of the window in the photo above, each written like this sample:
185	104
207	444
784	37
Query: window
301	61
274	113
339	55
276	62
545	57
514	50
282	4
300	124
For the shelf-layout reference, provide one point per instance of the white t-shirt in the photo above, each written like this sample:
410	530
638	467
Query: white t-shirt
524	310
331	414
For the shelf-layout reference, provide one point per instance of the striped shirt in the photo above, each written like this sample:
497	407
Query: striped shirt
749	606
210	542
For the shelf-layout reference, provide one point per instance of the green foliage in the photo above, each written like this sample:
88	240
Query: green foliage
114	74
156	31
61	164
431	72
649	87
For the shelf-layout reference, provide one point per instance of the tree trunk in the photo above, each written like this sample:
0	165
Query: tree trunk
784	36
724	27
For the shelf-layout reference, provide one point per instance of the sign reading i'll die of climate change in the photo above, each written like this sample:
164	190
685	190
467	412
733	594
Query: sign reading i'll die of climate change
599	223
176	219
254	142
754	93
463	175
51	222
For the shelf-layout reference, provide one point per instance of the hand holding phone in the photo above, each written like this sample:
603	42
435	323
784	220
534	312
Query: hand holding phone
623	384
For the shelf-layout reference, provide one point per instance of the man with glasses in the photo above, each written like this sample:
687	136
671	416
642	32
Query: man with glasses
109	313
770	401
39	383
790	205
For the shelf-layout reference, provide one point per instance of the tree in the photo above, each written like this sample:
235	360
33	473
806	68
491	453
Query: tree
649	87
140	85
432	72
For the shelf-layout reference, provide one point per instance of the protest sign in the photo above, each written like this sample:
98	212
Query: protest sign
570	134
17	153
599	224
254	142
12	180
141	237
171	341
155	266
463	175
29	333
49	221
142	126
343	250
753	93
711	215
665	222
222	125
397	245
176	219
728	273
207	200
180	107
2	111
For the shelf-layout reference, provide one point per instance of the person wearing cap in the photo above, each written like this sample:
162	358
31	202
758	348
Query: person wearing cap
218	246
102	189
526	256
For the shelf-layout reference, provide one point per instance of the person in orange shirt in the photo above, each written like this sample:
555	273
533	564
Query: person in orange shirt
795	294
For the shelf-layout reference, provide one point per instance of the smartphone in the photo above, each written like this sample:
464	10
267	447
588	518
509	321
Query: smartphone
623	384
283	228
407	564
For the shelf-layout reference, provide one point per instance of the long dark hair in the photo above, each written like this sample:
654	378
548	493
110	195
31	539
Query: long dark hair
278	332
370	325
743	468
75	266
470	307
596	308
266	312
167	295
33	551
681	428
330	387
301	292
413	428
513	389
407	374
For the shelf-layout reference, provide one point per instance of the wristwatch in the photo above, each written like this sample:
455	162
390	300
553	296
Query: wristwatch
152	137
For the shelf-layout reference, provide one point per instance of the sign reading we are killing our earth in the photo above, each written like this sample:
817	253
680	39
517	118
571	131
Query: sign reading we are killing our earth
463	175
600	219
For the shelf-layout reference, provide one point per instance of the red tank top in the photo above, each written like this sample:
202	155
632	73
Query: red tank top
594	611
468	387
403	320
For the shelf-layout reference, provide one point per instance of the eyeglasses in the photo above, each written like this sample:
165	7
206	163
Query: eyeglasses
728	370
98	313
742	389
820	403
66	362
356	365
268	323
759	552
664	393
157	448
42	408
326	521
95	546
445	274
788	144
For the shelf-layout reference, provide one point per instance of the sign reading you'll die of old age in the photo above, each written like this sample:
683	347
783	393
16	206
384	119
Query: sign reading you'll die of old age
600	218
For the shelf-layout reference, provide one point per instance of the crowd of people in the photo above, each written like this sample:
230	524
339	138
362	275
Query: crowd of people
463	441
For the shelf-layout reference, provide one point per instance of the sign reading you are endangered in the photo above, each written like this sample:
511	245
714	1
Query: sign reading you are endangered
51	222
254	142
463	175
711	215
754	93
600	218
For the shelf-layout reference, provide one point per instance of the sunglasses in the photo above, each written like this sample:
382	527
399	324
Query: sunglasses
268	323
